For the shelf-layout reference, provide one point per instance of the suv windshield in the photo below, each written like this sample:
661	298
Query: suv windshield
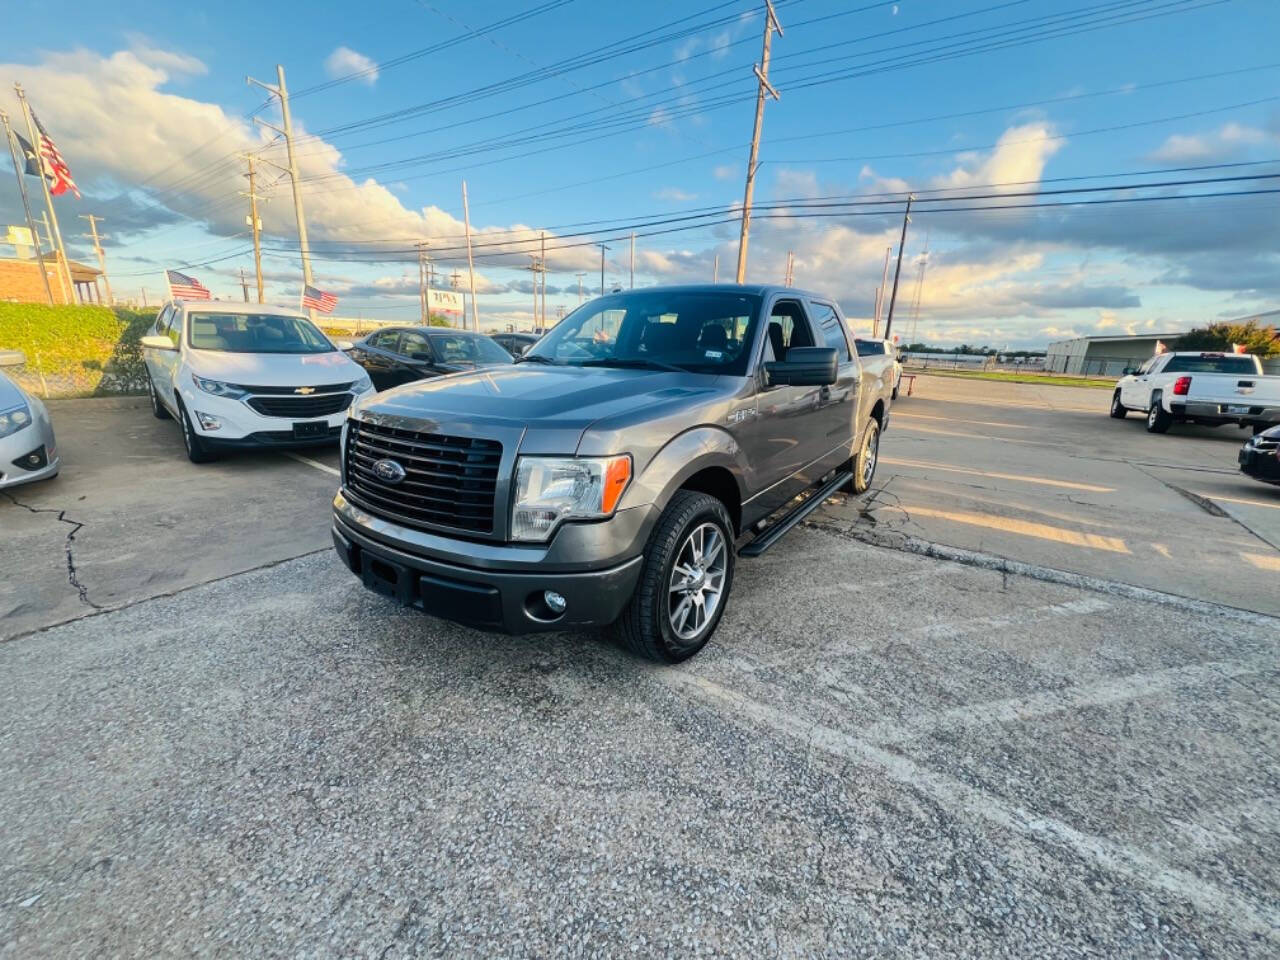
467	348
700	331
1213	363
255	333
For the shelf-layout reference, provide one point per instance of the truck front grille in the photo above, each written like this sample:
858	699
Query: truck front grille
301	407
449	482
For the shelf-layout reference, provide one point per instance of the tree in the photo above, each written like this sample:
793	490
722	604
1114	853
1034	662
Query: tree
1257	339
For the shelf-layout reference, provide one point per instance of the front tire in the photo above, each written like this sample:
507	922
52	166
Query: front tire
1118	409
684	583
197	451
1158	419
864	464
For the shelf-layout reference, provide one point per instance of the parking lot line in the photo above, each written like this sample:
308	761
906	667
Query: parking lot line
312	463
1238	910
1251	503
924	464
1026	528
1262	562
981	423
912	428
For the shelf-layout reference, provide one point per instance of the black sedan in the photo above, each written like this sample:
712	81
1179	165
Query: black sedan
516	343
395	355
1260	456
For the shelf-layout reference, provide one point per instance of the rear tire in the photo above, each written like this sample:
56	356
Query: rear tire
1158	419
157	408
1118	409
864	464
197	451
651	623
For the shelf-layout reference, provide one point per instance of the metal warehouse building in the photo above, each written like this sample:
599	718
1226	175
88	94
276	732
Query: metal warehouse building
1103	356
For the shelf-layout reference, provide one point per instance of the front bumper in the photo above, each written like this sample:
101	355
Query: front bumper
242	426
27	456
1262	465
491	598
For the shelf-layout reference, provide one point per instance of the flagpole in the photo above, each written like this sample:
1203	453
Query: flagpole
68	287
20	171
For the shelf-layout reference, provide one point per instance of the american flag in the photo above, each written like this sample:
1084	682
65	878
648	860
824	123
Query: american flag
56	170
183	287
318	299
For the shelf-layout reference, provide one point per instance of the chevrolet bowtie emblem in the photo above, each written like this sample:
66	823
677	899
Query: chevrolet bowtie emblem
305	390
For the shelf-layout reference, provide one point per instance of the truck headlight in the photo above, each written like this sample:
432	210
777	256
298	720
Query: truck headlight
550	490
362	384
11	421
218	388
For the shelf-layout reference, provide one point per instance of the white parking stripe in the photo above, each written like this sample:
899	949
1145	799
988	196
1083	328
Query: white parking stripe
313	463
1235	909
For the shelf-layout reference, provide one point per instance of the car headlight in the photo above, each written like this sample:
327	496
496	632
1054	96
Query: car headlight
550	490
362	384
11	421
218	388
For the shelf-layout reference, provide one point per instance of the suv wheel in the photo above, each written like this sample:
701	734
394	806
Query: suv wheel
1118	409
1158	420
684	584
157	408
864	464
197	452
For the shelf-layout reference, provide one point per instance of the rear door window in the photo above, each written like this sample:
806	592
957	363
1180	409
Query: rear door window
828	322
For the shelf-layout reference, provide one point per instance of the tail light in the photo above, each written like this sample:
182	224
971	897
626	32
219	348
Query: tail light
1181	386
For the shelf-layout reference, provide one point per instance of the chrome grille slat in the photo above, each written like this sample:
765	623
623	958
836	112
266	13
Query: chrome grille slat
450	482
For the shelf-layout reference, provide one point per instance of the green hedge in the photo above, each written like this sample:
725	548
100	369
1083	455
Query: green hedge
77	351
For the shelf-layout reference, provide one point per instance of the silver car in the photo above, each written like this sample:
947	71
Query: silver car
27	448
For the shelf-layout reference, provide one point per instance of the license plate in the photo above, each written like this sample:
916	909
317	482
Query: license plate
312	428
1234	408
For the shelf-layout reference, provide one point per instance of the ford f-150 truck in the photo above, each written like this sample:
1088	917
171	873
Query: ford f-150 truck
1206	388
612	475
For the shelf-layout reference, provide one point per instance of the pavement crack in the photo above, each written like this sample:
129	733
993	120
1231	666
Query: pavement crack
1204	503
76	525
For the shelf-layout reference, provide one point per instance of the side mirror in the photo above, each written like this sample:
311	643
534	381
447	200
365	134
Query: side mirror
344	345
1129	371
12	358
158	342
421	357
804	367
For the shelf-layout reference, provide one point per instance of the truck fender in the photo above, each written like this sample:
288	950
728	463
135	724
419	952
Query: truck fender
683	456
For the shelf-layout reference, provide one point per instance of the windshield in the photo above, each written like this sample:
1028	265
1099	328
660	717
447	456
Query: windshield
255	333
464	348
704	332
1213	363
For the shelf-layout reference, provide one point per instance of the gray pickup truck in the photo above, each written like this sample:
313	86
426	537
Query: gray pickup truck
613	474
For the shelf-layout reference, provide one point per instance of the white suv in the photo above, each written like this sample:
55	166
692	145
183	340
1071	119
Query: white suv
247	375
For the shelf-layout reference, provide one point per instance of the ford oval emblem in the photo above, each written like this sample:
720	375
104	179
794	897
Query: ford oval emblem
388	471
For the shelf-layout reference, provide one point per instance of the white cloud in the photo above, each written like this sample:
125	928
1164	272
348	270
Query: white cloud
726	171
1229	141
674	195
345	61
1019	157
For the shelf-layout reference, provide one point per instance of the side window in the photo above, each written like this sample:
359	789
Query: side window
162	320
824	315
175	327
870	348
386	340
788	327
413	343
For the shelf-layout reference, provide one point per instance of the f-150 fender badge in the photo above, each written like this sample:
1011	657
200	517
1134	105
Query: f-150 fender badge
745	413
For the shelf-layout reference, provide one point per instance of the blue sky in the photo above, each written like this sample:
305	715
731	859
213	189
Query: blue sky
148	104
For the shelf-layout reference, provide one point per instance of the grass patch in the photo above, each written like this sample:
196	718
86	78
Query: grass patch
1042	379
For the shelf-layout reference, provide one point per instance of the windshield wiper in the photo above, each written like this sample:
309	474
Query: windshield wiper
534	358
633	363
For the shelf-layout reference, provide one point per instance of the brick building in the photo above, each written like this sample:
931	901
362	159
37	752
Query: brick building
20	281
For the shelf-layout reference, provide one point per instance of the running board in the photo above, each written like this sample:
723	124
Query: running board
775	531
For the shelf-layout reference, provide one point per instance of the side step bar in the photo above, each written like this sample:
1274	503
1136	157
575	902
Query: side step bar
776	530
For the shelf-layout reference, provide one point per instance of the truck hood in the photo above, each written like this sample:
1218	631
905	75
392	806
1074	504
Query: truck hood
276	369
562	401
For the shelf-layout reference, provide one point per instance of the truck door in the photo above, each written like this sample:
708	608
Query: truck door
1139	394
839	403
789	431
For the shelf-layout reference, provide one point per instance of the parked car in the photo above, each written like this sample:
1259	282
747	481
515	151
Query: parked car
28	450
1260	456
395	355
606	477
877	347
515	343
240	375
1211	389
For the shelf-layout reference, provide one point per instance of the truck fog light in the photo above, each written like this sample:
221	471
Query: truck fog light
207	422
554	601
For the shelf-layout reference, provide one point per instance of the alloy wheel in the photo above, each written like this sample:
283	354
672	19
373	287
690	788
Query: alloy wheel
697	581
870	453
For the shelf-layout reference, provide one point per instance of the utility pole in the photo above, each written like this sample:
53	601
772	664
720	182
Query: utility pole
97	248
471	264
282	94
633	259
762	75
542	265
924	265
424	300
603	248
144	298
906	219
533	269
255	223
791	266
20	170
580	276
884	282
55	235
244	285
715	270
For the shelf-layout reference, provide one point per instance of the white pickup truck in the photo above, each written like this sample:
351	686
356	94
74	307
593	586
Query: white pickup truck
1205	388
